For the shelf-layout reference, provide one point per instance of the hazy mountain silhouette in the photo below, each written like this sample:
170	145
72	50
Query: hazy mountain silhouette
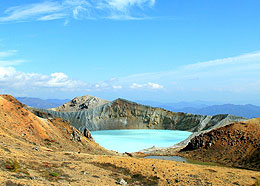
248	111
41	103
208	108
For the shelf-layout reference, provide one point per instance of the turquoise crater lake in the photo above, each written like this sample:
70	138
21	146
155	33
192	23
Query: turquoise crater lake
139	139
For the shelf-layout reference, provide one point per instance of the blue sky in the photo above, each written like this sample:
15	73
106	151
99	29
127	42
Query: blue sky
175	50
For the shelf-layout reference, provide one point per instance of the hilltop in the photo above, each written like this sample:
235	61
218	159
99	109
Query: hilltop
81	103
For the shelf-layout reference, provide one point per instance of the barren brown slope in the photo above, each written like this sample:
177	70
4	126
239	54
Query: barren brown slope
17	122
236	145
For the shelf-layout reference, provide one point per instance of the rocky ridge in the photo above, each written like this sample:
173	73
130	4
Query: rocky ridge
123	114
81	103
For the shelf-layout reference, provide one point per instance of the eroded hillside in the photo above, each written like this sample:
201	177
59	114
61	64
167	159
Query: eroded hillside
19	123
123	114
237	145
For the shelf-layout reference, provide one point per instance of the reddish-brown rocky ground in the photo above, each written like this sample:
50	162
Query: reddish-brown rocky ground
236	145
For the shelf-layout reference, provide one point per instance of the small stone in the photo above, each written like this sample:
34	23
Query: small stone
36	148
168	181
83	172
122	182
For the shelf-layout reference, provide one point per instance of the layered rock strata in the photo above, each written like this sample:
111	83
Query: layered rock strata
123	114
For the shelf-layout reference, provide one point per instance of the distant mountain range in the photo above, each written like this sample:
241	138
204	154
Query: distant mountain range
208	108
248	111
195	107
41	103
177	105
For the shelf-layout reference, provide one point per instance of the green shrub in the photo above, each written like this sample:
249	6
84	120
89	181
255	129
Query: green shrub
54	174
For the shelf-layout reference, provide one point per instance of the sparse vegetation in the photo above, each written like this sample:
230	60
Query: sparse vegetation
54	174
48	142
12	165
51	175
257	182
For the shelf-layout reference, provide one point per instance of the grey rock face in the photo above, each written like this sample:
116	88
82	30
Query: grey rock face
80	104
122	114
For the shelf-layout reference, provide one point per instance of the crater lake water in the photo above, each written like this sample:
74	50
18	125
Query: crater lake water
139	139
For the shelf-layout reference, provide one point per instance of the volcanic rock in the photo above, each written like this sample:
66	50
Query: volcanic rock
236	145
123	114
81	103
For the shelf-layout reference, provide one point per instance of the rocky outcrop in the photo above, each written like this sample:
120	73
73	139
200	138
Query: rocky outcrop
88	134
123	114
237	145
81	103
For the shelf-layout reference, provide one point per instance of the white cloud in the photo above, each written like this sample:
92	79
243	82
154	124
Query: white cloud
11	62
117	87
52	16
8	53
5	61
154	86
59	80
27	12
78	9
6	72
124	5
15	80
148	85
227	74
244	58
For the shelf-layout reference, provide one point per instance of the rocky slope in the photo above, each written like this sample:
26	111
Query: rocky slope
81	103
237	145
49	152
123	114
19	123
